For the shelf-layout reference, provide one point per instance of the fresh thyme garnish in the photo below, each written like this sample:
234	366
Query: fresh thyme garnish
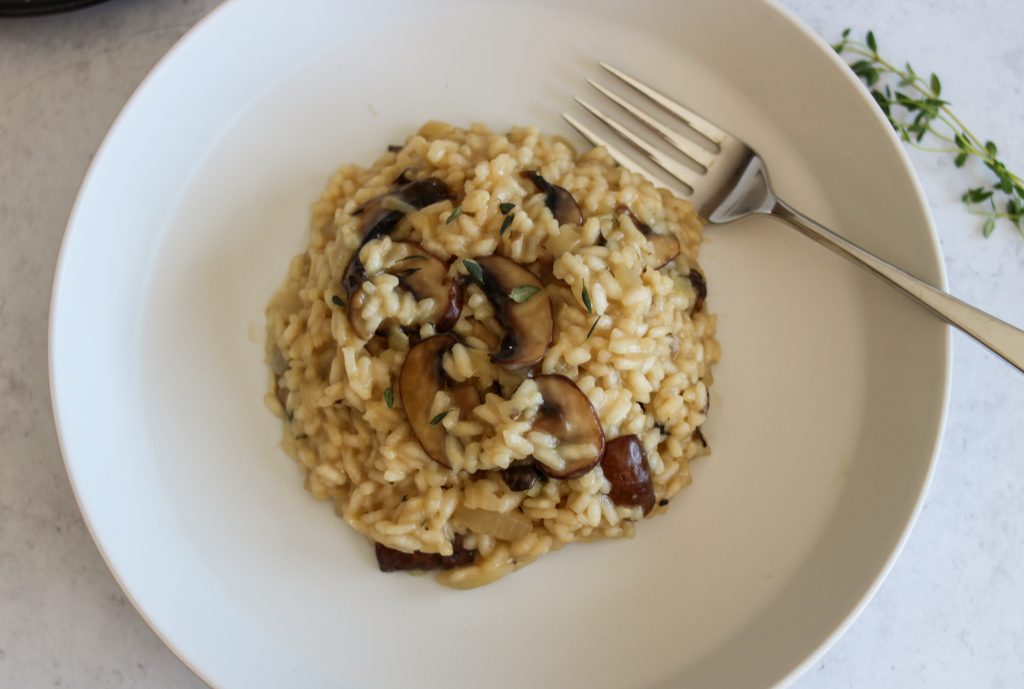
914	107
523	293
586	299
456	212
592	326
337	301
506	223
474	270
437	419
505	208
389	398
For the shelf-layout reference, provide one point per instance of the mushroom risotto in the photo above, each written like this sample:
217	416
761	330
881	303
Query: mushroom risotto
492	347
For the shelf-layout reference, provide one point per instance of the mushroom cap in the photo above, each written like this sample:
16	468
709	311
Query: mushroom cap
377	220
665	246
426	277
421	378
558	199
529	325
626	468
567	414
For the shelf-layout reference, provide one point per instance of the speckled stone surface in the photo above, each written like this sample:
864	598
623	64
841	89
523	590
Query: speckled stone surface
951	613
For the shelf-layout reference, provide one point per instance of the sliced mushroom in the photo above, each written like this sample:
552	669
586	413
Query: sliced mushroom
558	199
700	286
465	398
528	325
626	468
426	276
419	194
522	476
355	276
666	247
379	220
483	333
391	560
421	378
544	269
376	344
567	414
403	176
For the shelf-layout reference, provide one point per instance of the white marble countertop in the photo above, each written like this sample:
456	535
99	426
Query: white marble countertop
951	613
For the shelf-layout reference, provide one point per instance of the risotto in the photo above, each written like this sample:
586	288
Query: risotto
492	347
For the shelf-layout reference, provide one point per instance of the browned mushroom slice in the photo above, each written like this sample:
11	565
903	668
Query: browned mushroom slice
376	345
567	414
528	324
700	286
544	269
558	199
378	219
355	276
626	468
426	276
391	560
421	378
465	398
522	476
403	176
483	333
418	194
666	247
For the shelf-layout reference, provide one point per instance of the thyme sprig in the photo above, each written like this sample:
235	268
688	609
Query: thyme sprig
914	106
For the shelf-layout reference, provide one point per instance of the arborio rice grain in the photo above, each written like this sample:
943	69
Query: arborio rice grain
392	249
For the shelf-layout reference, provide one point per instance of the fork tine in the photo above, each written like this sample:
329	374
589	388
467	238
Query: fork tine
681	143
693	120
617	155
683	174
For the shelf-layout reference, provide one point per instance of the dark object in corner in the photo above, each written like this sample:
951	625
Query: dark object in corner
28	8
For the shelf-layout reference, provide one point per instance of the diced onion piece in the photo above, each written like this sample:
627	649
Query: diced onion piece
508	526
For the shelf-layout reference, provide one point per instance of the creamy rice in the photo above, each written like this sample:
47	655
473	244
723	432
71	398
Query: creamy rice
632	335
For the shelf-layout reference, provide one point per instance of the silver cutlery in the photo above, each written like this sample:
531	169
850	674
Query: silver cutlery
733	183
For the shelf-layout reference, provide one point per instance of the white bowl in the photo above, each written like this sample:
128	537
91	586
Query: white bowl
827	406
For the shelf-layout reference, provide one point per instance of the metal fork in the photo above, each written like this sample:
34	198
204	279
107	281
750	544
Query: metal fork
734	184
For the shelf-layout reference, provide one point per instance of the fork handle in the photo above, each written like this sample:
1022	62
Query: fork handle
1002	338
